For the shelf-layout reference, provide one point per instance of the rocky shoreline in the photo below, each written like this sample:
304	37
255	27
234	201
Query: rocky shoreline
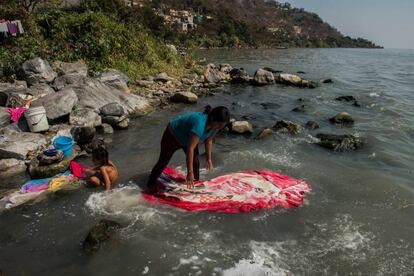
87	106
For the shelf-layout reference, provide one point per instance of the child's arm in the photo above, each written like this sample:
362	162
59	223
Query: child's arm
107	180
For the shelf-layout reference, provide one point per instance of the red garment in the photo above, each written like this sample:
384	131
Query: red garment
16	113
78	169
238	192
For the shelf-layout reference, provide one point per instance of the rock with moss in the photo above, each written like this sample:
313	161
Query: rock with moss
264	133
342	118
340	143
287	127
100	234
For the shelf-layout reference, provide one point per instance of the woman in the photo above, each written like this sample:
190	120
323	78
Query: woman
186	132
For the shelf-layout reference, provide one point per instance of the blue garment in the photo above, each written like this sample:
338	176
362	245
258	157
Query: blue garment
194	122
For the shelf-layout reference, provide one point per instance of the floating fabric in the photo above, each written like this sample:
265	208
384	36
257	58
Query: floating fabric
78	169
16	113
233	193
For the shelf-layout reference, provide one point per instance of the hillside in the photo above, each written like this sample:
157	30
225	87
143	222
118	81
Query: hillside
262	23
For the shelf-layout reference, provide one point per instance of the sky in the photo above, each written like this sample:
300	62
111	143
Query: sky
389	23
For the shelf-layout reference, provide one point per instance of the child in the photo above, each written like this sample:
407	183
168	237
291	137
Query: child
105	174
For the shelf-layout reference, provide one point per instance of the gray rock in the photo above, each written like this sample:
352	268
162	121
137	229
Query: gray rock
263	77
20	83
115	79
5	118
145	83
11	169
162	77
10	129
41	89
95	94
13	96
85	117
74	68
239	76
225	71
241	127
99	235
124	124
312	125
327	81
36	70
287	127
295	80
112	109
212	74
184	97
58	104
340	143
193	76
83	135
301	108
113	120
69	81
343	118
106	129
18	145
264	133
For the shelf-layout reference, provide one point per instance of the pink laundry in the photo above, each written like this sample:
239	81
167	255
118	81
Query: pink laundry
16	113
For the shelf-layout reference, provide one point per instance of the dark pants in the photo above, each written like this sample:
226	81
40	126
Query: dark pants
169	145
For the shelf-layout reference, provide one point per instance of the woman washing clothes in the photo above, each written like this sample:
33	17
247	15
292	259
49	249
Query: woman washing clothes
187	132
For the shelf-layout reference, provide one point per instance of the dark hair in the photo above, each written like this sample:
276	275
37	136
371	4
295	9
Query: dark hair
219	114
101	154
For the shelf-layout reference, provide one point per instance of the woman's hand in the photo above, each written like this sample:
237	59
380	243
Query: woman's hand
209	165
190	180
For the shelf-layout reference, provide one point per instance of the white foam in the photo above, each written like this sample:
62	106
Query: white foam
282	158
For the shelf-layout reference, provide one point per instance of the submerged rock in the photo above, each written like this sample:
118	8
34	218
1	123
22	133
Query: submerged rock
263	77
326	81
264	133
340	143
184	97
17	145
99	235
343	118
348	99
241	127
287	127
106	129
58	104
301	108
10	170
36	70
312	125
295	80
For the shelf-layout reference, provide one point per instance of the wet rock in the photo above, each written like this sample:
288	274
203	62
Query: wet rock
345	99
73	68
184	97
113	120
263	77
106	129
343	118
112	109
301	108
312	125
295	80
17	145
225	71
264	133
287	127
115	79
326	81
239	76
58	104
274	71
95	94
11	169
5	117
212	74
36	70
301	72
340	143
41	89
37	171
46	160
124	124
309	84
85	117
162	77
241	127
99	235
83	135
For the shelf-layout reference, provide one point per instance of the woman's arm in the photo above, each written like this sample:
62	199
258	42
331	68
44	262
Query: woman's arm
107	180
209	148
194	140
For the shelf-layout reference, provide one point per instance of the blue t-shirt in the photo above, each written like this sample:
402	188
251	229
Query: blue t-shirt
194	122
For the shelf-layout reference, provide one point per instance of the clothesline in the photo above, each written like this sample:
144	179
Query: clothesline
13	27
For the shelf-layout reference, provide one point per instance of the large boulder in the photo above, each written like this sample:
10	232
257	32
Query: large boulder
4	117
287	127
73	68
263	77
212	74
239	76
113	120
295	80
340	143
162	77
14	96
18	145
58	104
184	97
41	89
99	235
11	169
241	127
36	70
68	80
95	94
343	118
85	117
225	71
112	109
115	79
37	171
83	135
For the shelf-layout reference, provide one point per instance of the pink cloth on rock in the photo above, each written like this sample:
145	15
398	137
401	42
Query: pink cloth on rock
78	169
16	113
233	193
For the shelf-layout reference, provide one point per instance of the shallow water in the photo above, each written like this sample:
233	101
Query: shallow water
358	220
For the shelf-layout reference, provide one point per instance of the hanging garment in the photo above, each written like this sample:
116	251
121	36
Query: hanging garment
3	28
16	113
19	26
232	193
13	29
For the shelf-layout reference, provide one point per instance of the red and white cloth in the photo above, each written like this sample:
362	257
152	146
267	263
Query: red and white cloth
233	193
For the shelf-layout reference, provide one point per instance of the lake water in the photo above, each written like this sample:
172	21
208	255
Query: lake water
358	220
